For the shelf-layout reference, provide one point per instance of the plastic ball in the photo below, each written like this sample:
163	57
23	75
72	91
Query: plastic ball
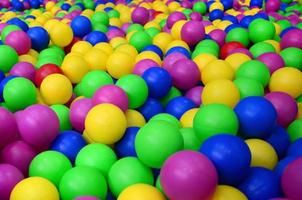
186	119
62	113
200	7
154	49
18	40
294	148
191	142
78	112
139	191
59	30
217	69
134	118
7	30
174	17
96	59
81	47
44	71
261	48
249	87
8	59
179	49
167	118
290	39
140	40
280	140
87	198
151	108
142	65
225	192
178	106
272	60
95	37
81	26
291	57
171	59
8	126
100	17
229	47
261	30
23	69
186	170
119	64
192	32
195	94
239	35
215	14
140	15
126	146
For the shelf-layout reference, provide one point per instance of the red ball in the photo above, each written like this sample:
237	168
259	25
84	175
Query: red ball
67	49
228	47
44	71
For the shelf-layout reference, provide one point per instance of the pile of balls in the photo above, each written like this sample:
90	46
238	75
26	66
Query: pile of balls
150	100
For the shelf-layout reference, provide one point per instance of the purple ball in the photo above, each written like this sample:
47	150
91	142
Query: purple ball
2	26
196	16
18	154
186	4
292	39
195	94
112	33
192	32
87	198
24	69
285	106
140	15
272	60
174	17
78	112
241	50
125	27
8	127
171	59
218	36
9	177
206	23
272	5
38	125
141	66
188	175
18	40
111	94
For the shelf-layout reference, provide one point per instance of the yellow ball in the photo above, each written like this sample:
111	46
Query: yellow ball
287	79
186	119
115	22
299	114
96	59
148	55
141	191
56	89
120	64
176	29
215	70
87	138
49	5
177	43
61	34
134	118
209	28
27	58
275	44
88	13
117	41
34	188
173	6
162	40
263	154
105	123
237	59
226	192
152	24
216	5
203	59
81	47
50	24
40	99
220	91
223	25
105	47
128	49
125	16
75	67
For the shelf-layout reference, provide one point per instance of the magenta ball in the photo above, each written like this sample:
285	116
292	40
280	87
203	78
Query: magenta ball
196	16
18	154
111	94
87	198
285	106
174	17
140	15
9	177
292	39
192	32
291	179
142	65
218	36
18	40
188	175
112	33
171	59
272	60
38	125
272	5
185	74
24	69
78	112
186	4
195	94
8	127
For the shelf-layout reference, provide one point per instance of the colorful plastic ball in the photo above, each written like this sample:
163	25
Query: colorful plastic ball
282	164
230	155
125	147
81	47
62	113
178	106
294	148
8	126
215	14
139	191
44	71
61	34
195	94
174	17
170	59
218	36
80	181
200	7
187	118
140	40
288	80
239	35
142	65
167	118
18	40
272	5
39	38
81	26
150	139
140	15
8	29
261	48
23	69
262	180
261	30
9	58
78	112
100	17
191	142
154	49
35	188
96	58
186	170
279	139
95	37
272	60
225	192
120	64
290	39
228	47
192	32
291	57
217	69
179	49
134	118
151	108
135	171
249	87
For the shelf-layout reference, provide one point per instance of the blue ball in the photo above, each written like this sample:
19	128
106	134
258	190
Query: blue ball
262	15
159	82
179	105
231	27
155	49
230	155
282	164
2	75
126	146
181	50
230	18
216	14
95	37
17	5
257	117
227	4
279	139
18	22
81	26
30	17
260	184
65	6
69	143
256	3
246	20
3	83
209	3
283	6
108	9
34	3
150	108
295	149
39	38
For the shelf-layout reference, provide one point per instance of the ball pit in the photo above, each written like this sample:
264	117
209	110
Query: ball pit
150	99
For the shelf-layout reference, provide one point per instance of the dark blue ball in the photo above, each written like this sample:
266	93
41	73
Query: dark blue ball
282	164
81	26
283	6
107	9
2	75
230	18
159	81
227	4
17	5
39	38
126	146
262	15
256	3
179	105
65	6
209	3
295	149
150	108
34	3
95	37
3	83
18	22
231	27
216	14
178	49
155	49
246	20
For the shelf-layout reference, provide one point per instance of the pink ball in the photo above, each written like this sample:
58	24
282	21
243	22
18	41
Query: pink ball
171	59
285	106
174	17
272	5
188	175
141	66
140	15
111	94
292	39
218	36
18	154
272	60
112	33
2	26
19	40
78	112
38	125
186	4
9	177
24	69
196	16
192	32
125	27
195	94
291	179
87	198
8	127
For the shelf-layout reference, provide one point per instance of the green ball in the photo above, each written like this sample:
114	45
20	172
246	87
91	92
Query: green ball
100	18
135	88
200	7
292	57
7	30
19	93
299	25
113	14
153	147
191	141
98	156
208	43
152	31
78	90
173	92
128	171
261	48
187	12
140	39
214	119
205	50
254	69
167	118
249	87
89	5
135	27
294	130
284	24
60	14
93	80
299	99
62	112
239	35
46	60
58	50
261	30
100	27
162	23
8	58
52	51
51	165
